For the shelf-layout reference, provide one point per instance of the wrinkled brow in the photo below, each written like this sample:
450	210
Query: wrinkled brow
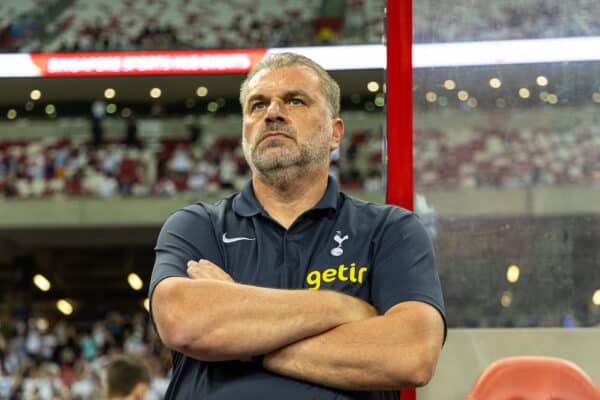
296	93
286	95
255	97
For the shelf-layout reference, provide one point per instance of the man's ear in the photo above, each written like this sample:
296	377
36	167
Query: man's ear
139	391
337	133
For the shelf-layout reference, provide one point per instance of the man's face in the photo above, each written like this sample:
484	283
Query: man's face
287	123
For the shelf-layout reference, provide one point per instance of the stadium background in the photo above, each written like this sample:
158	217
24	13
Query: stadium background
507	179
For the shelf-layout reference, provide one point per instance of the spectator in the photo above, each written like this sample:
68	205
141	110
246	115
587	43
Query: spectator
97	132
373	182
131	132
181	161
111	160
10	187
164	186
88	345
107	185
98	112
227	170
195	132
127	378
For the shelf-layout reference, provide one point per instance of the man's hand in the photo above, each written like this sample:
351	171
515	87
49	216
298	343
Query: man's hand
204	269
356	309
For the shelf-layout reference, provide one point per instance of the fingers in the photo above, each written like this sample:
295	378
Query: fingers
204	269
193	270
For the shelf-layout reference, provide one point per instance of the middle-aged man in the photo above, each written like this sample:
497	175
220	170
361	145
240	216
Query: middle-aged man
291	289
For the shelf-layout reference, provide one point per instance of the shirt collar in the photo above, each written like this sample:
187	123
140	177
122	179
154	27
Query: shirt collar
330	198
245	203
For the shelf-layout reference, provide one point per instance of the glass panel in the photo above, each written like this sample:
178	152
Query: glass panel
507	159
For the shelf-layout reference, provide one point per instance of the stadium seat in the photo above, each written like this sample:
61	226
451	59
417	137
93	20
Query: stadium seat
533	378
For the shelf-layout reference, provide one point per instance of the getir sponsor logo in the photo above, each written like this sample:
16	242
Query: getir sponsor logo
342	273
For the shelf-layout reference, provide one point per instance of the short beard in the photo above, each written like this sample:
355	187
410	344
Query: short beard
283	170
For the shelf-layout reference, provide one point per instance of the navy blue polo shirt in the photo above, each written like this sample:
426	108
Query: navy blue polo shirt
379	253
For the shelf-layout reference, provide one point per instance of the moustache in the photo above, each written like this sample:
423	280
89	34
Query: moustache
276	127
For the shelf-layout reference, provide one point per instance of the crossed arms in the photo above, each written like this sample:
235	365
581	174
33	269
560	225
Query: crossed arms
324	337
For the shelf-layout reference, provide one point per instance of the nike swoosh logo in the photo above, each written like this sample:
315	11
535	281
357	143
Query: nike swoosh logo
234	239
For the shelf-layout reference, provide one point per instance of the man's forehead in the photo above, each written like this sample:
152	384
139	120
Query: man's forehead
296	77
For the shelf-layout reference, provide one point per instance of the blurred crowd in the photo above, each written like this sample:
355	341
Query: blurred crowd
61	359
43	26
58	167
55	167
465	20
244	32
186	24
98	37
507	158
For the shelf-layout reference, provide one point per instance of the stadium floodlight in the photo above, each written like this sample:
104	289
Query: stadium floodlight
495	83
596	298
35	94
201	91
41	282
449	84
135	281
373	86
541	80
512	273
64	306
524	93
506	299
155	93
110	93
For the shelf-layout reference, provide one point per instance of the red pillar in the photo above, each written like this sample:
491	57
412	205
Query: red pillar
399	104
400	189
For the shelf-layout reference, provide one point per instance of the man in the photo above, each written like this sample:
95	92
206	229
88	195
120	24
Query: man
240	325
127	378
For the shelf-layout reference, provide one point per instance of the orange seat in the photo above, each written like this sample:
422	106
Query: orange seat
534	378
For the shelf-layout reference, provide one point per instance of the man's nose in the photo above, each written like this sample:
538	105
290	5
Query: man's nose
276	112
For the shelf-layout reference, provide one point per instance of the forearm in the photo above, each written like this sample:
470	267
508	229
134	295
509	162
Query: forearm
370	354
214	320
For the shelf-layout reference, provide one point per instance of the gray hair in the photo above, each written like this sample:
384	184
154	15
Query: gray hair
329	86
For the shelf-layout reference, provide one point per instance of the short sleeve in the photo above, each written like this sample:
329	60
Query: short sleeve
186	235
404	264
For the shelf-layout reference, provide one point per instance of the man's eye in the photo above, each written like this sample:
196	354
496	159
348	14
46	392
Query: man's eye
257	106
296	102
